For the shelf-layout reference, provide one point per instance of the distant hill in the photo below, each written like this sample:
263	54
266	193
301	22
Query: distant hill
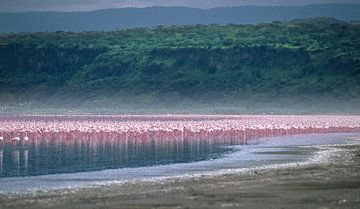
111	19
305	63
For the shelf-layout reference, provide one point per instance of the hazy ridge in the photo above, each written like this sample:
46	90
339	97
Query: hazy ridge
111	19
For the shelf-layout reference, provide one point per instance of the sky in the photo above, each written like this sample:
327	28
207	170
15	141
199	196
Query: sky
86	5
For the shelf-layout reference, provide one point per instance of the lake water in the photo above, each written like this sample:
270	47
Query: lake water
52	156
48	164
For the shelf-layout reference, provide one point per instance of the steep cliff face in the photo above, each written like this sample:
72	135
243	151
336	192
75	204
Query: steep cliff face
302	60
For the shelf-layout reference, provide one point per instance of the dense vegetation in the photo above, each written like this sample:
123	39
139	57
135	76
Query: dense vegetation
301	63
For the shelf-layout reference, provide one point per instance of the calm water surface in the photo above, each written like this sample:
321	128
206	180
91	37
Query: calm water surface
52	156
50	164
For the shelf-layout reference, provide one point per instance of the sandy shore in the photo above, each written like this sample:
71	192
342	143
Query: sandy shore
331	180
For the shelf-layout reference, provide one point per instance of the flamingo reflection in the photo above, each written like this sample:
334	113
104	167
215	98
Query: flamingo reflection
1	161
16	160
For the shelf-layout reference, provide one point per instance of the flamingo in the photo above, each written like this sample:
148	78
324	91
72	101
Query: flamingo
26	138
170	126
16	138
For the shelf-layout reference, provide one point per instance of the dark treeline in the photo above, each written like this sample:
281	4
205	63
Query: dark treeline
302	63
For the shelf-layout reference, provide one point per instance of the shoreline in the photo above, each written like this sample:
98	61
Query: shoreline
265	153
331	179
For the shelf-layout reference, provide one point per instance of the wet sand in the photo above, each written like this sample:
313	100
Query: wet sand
331	180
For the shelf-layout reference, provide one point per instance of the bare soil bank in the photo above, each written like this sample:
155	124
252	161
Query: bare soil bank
331	182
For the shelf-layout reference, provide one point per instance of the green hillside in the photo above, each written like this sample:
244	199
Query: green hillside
305	63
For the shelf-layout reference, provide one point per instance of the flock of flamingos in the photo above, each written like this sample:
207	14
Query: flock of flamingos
143	127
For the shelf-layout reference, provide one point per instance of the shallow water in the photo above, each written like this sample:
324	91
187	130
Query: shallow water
81	163
52	156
